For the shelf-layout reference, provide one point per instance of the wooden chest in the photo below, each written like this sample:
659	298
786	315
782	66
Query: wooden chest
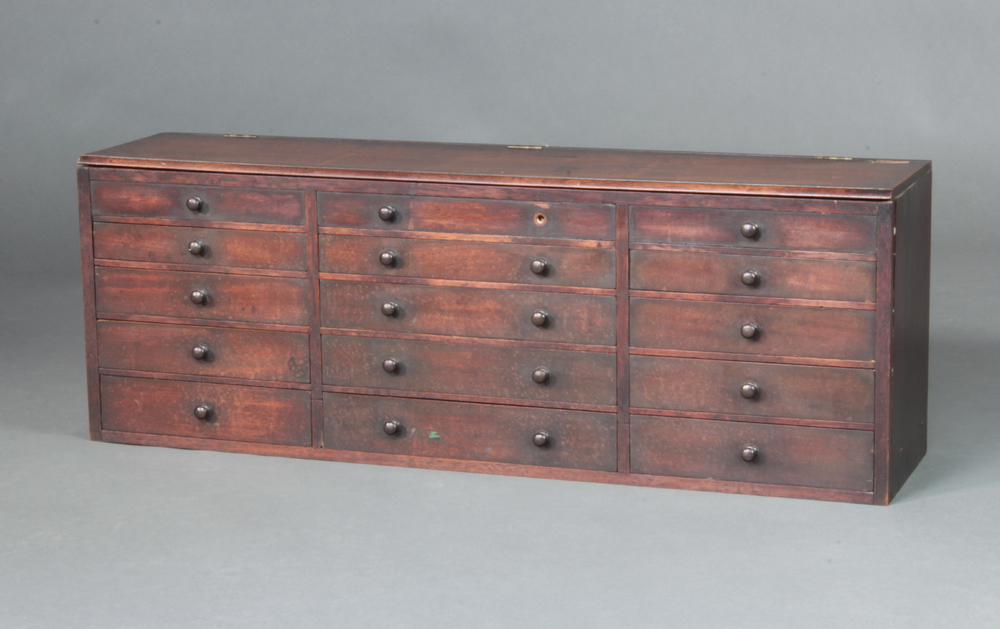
730	323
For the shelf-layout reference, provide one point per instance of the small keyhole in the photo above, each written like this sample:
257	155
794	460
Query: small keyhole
540	219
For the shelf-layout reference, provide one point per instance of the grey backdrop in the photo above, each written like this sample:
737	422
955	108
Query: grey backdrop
97	535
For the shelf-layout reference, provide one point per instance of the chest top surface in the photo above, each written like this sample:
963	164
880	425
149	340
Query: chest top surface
651	171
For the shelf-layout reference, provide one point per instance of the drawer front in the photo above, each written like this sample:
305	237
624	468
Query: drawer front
467	216
773	330
716	386
507	372
219	296
207	203
683	272
783	455
764	229
206	411
472	261
476	312
479	432
200	246
249	354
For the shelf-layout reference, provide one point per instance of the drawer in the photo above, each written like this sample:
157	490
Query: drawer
477	312
196	202
685	272
763	229
249	354
454	368
479	432
467	216
200	246
206	411
472	261
783	455
219	296
773	330
716	386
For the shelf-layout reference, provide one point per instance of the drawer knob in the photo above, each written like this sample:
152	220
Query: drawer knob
390	308
387	214
541	438
750	330
539	266
387	258
391	428
750	230
200	352
194	204
539	317
750	390
750	277
199	296
390	365
203	411
540	375
196	248
749	453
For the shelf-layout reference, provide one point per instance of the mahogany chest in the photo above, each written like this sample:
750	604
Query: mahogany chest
731	323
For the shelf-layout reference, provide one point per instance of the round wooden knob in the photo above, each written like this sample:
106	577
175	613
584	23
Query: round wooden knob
200	352
194	204
390	308
196	247
750	230
387	258
540	375
539	317
749	330
391	428
199	296
539	266
750	390
750	277
749	453
541	438
390	365
203	411
386	213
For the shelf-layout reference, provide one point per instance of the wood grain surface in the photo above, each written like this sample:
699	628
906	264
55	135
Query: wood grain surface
468	216
471	312
250	354
794	455
485	262
217	247
238	413
714	386
481	432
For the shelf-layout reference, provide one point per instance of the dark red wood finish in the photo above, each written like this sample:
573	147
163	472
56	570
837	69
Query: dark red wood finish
681	272
229	297
473	261
459	368
472	312
655	238
537	166
793	331
467	216
480	432
216	247
788	455
250	354
909	344
216	204
237	413
774	230
714	386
